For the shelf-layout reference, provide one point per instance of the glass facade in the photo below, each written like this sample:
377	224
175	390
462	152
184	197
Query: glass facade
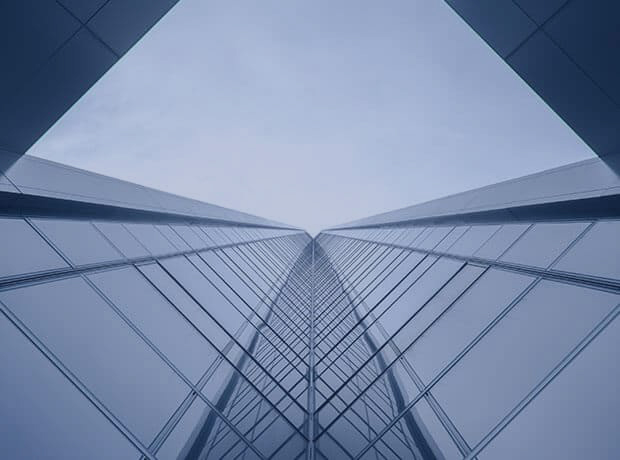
178	340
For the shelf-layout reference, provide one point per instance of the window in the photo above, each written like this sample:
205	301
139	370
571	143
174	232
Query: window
102	351
79	241
575	416
44	415
543	243
464	320
157	319
24	251
596	254
124	241
517	354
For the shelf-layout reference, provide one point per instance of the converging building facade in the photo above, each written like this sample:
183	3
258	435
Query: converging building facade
137	324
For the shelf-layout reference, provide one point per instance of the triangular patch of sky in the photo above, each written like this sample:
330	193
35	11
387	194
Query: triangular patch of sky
312	113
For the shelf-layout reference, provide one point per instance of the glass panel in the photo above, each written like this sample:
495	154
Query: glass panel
349	435
471	241
597	253
449	240
172	236
391	278
205	293
500	241
436	235
151	238
79	241
175	294
43	414
185	433
24	251
331	448
158	320
274	432
102	351
517	353
190	236
576	416
234	287
436	436
122	239
464	320
420	292
436	306
543	243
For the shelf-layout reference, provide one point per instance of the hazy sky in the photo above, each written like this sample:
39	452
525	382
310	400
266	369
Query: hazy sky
311	112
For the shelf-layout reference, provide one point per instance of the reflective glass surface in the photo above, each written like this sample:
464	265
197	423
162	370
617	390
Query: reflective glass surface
183	341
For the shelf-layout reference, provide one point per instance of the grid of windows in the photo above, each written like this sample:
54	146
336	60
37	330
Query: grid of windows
488	338
169	340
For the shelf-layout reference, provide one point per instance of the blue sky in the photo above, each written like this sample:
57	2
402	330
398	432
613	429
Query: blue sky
312	113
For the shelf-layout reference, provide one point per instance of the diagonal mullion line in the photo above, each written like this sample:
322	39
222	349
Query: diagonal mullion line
262	291
144	338
352	409
365	326
230	335
549	273
362	296
348	311
412	318
14	281
73	379
568	358
368	270
232	384
463	352
250	287
375	354
253	315
162	356
352	268
354	261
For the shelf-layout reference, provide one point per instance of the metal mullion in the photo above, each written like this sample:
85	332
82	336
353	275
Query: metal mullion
548	273
157	351
14	281
551	375
271	301
353	267
441	415
232	337
311	404
399	355
75	381
465	350
261	252
367	326
253	315
348	254
366	272
363	293
356	261
221	354
251	267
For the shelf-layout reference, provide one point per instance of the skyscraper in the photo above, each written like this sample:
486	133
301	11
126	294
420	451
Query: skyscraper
139	324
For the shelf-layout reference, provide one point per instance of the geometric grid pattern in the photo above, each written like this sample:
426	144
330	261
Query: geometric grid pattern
135	340
488	330
130	340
